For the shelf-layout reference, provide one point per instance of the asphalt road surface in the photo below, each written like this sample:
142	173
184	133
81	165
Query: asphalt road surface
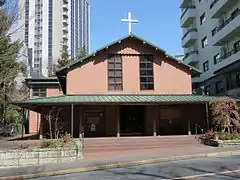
227	168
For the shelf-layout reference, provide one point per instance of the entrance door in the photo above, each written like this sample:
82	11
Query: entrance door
94	124
132	120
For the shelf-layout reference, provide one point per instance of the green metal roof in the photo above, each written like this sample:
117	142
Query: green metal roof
118	99
191	68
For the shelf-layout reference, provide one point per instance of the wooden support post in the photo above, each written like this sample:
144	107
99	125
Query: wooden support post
23	121
207	115
154	127
80	121
118	122
40	126
189	128
72	119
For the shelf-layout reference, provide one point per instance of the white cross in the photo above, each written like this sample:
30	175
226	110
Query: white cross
130	21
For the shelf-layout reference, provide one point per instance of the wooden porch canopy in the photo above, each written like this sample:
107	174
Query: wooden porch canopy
116	100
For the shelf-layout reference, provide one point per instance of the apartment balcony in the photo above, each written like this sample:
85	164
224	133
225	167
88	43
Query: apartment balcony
191	57
65	31
230	57
65	9
65	16
188	16
185	3
65	2
65	40
189	37
227	31
65	24
220	7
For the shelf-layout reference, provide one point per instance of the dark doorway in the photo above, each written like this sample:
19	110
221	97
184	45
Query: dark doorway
132	120
94	124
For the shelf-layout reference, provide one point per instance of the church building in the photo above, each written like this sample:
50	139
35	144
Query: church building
127	88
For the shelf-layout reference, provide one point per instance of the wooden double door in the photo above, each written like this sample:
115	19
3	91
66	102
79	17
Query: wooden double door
94	124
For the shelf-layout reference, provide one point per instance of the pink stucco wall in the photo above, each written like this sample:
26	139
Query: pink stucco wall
34	117
92	77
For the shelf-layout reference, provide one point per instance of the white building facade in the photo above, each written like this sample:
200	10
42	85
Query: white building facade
211	42
48	27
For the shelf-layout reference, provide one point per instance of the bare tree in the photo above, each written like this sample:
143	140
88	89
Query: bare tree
55	125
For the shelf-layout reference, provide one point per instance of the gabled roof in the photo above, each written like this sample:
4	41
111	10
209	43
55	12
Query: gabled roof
193	70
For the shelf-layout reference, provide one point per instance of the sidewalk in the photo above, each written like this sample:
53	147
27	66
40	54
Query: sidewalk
120	161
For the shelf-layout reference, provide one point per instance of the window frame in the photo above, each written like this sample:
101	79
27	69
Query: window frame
114	86
215	59
146	72
39	92
203	40
203	18
206	66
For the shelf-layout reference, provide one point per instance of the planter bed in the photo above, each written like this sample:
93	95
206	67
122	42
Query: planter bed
220	143
26	157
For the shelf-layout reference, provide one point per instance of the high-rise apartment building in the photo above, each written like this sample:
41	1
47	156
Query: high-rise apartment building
211	42
51	26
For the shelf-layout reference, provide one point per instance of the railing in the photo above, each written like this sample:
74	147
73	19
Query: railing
220	27
190	30
228	54
190	7
189	53
213	3
197	126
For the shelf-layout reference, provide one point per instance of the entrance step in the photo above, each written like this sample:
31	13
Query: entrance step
138	143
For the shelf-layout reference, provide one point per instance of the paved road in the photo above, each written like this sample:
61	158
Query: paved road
227	168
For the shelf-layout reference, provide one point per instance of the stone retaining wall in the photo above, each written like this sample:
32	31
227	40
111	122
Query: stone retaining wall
26	157
220	143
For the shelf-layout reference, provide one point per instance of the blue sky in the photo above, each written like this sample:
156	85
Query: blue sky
159	22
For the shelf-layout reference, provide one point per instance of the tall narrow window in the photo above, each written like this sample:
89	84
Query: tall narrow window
115	72
202	18
205	66
204	42
216	58
146	72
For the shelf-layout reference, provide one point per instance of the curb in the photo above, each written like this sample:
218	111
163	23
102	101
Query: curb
122	164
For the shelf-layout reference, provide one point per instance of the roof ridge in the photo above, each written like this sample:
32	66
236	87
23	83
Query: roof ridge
123	38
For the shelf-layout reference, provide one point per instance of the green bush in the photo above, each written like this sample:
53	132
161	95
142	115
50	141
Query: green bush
50	143
228	136
236	136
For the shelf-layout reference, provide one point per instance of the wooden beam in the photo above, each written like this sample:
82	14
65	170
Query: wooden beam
72	119
207	115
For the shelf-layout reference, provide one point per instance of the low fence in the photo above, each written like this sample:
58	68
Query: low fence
26	157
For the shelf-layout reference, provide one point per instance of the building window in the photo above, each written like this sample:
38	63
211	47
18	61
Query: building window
205	66
204	42
238	79
207	90
146	72
236	46
219	87
202	18
214	31
216	58
39	92
115	72
228	83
